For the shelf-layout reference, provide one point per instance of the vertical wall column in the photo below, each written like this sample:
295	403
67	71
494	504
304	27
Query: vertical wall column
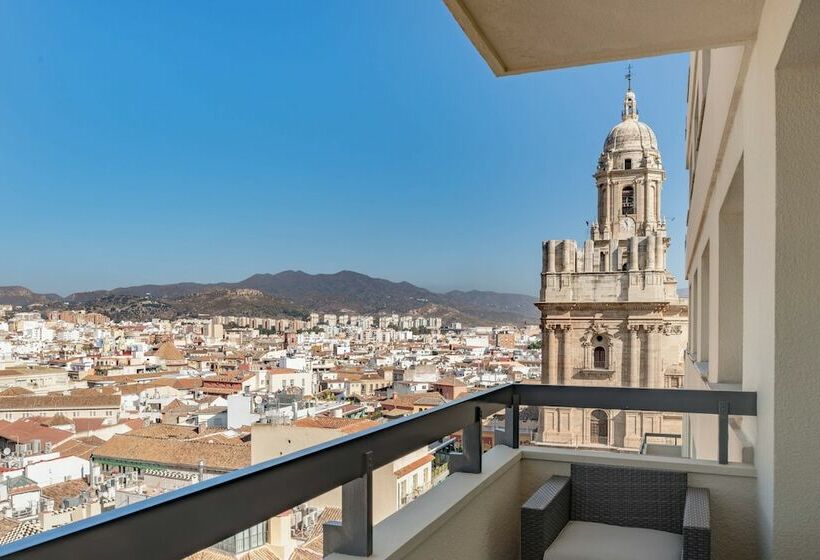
551	255
652	373
633	254
614	256
552	355
544	353
660	263
648	204
639	191
589	255
650	253
634	379
569	255
566	354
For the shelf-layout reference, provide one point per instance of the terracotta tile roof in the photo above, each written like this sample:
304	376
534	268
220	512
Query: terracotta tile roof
346	425
187	383
450	382
133	423
81	447
313	549
175	453
413	466
31	371
122	379
65	490
87	424
168	352
228	378
61	402
281	371
15	392
56	420
164	431
84	391
11	530
221	390
177	405
264	552
25	430
414	399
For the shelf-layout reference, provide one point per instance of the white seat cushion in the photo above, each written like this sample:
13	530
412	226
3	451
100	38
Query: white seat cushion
581	540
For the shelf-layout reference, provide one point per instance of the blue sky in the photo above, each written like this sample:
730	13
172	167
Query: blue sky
203	141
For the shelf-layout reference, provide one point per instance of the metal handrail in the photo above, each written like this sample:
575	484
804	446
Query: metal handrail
214	509
647	435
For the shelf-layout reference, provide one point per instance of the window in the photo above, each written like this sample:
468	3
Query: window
627	163
245	540
628	201
602	266
599	357
599	427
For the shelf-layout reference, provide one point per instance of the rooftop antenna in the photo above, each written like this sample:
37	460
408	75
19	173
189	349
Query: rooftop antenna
628	77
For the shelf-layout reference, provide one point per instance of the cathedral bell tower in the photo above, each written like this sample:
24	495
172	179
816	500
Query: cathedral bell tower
610	312
629	179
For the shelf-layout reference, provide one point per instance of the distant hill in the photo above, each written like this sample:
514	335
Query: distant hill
18	295
295	293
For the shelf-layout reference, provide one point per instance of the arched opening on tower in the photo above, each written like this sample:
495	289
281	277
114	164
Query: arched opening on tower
599	427
628	201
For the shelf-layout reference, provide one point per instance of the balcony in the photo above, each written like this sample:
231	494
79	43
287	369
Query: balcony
473	513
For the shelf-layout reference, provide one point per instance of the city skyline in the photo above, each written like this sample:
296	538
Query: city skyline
166	158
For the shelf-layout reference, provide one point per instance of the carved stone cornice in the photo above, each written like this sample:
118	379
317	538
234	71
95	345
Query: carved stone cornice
670	329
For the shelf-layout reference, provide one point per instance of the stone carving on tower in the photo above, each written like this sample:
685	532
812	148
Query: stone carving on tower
610	312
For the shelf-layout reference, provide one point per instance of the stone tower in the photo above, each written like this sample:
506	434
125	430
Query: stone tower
610	313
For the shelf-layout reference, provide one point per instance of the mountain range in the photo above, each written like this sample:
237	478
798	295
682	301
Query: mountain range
287	294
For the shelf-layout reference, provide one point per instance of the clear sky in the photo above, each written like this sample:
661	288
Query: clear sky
207	141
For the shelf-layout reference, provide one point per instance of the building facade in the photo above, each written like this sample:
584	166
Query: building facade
610	311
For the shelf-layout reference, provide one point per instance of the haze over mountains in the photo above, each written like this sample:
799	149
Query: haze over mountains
288	293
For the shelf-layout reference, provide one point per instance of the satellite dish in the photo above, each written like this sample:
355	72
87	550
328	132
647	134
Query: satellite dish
6	451
257	399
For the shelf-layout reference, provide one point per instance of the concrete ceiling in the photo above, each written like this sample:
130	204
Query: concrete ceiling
518	36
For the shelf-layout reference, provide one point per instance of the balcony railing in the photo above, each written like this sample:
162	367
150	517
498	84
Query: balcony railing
182	522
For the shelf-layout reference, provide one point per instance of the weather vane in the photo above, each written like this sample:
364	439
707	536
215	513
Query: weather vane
628	77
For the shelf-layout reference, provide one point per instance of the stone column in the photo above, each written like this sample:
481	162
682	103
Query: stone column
634	358
607	203
633	253
569	255
652	374
551	255
589	255
544	353
650	252
659	253
647	206
613	264
566	354
552	356
640	202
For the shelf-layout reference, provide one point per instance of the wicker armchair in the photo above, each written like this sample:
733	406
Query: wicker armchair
608	507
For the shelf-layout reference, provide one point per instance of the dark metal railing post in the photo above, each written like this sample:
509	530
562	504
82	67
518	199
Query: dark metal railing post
723	432
469	460
354	534
509	436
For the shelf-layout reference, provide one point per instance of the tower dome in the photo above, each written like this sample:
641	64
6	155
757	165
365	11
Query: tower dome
631	143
